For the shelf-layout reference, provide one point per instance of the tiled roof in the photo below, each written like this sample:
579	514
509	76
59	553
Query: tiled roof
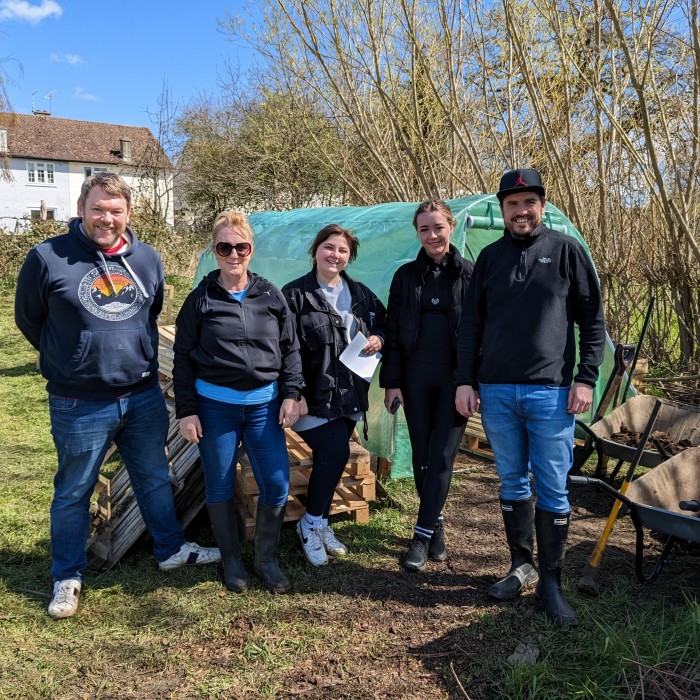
43	137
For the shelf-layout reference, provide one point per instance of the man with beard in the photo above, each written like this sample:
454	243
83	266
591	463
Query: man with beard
89	301
516	355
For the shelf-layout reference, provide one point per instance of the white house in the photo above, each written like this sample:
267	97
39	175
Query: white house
45	160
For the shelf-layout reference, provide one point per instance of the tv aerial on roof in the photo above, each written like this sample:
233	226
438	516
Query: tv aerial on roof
49	96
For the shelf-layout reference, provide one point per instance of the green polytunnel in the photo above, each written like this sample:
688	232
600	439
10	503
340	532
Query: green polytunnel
387	240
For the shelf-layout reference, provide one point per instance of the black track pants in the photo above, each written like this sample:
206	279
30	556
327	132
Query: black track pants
436	430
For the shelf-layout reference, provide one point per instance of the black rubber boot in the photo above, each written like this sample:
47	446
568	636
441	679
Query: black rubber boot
417	555
268	524
519	521
436	550
552	532
223	522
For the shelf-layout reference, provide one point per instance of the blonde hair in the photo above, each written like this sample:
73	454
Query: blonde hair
233	219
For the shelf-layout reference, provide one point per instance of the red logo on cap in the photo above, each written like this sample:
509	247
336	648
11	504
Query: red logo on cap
519	182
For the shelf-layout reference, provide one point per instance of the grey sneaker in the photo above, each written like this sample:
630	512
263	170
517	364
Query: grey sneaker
191	553
312	545
65	598
331	543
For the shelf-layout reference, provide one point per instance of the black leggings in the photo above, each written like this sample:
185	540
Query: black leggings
435	429
331	451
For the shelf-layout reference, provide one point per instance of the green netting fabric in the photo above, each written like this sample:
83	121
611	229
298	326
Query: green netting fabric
387	240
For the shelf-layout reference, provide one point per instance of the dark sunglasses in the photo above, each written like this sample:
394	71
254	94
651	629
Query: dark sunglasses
225	249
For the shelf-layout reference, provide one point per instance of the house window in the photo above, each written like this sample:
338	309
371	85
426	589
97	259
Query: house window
39	173
93	170
3	140
35	214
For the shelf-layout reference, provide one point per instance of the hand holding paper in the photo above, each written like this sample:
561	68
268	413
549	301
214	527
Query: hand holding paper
357	361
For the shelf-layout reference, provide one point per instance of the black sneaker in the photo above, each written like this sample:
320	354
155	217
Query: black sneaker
437	551
417	554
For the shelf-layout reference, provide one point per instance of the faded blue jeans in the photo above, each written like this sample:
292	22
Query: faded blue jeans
529	430
224	426
83	432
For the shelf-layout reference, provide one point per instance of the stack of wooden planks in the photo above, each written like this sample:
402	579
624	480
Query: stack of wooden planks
116	519
356	488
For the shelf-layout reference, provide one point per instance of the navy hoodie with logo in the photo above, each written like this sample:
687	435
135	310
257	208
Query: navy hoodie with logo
92	316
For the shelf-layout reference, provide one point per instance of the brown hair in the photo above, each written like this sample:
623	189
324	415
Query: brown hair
434	205
111	183
335	230
233	219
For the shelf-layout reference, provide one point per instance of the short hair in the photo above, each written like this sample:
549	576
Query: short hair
233	219
335	230
434	205
111	183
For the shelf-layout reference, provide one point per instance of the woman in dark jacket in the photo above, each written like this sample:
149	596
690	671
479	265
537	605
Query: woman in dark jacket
425	304
330	308
237	376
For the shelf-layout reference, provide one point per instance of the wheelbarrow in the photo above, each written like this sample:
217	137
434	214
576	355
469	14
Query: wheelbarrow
666	500
680	422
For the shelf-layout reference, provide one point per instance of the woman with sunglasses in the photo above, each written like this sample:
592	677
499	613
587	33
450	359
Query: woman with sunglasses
330	308
237	377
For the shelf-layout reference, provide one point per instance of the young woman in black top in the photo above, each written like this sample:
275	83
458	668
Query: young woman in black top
425	305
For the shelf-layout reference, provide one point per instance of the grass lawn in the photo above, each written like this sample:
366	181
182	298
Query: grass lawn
357	629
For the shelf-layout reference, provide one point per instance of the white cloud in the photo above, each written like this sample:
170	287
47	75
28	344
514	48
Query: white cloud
71	58
80	94
27	12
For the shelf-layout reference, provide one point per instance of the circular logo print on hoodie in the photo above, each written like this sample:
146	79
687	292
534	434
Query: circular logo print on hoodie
112	297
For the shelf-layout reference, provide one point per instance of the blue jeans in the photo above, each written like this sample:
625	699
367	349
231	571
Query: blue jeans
224	426
529	430
83	432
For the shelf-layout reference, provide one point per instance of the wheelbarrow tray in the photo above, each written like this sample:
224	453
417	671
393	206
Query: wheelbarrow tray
656	495
678	421
652	501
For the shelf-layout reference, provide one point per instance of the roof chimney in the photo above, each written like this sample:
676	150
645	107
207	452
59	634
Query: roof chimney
125	149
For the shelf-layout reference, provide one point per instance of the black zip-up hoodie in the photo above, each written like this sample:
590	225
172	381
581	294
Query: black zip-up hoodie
240	345
403	311
92	316
525	296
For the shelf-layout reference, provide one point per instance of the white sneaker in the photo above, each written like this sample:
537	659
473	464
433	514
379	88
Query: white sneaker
65	598
331	543
191	553
312	545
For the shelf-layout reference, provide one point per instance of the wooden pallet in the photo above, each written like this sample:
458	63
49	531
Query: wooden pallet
357	486
474	439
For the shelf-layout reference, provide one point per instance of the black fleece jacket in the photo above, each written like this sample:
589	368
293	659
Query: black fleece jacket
240	345
403	310
518	319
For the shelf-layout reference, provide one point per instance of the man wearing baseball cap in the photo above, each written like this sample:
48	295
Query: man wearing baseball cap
517	360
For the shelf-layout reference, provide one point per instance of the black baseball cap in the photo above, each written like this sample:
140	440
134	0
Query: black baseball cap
523	180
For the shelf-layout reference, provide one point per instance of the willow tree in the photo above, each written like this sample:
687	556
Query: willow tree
442	96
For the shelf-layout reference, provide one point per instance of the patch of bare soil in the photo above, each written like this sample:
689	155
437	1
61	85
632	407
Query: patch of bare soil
440	624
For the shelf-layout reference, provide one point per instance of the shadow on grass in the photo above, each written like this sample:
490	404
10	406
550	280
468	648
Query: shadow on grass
19	371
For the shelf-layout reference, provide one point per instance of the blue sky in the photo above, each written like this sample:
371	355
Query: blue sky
107	62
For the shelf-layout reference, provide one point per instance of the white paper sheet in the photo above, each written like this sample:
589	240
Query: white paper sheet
356	361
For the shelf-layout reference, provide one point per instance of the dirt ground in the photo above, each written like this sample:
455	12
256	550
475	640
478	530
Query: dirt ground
435	618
